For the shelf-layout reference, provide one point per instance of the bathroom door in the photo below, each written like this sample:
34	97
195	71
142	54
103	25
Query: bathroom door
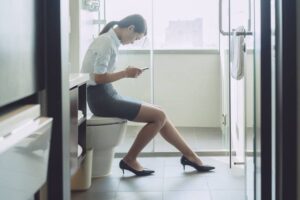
233	16
241	20
236	53
237	70
241	78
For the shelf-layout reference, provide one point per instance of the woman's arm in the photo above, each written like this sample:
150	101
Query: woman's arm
129	72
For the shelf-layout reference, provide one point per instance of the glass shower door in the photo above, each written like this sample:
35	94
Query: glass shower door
234	60
237	67
241	19
241	77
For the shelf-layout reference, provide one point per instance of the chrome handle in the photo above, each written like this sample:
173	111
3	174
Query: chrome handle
239	163
231	33
220	19
243	33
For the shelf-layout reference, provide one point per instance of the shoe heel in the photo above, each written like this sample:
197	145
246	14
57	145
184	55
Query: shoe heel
124	166
183	167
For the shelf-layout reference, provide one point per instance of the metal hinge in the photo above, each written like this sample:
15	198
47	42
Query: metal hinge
224	119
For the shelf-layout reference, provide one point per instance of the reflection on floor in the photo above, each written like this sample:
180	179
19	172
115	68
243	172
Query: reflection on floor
199	139
169	182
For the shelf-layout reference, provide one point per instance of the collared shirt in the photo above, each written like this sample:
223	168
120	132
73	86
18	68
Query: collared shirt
101	55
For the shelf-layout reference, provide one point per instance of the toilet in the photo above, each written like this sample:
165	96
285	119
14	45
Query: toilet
103	135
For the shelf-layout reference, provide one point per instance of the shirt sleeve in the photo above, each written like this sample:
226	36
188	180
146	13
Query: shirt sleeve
103	56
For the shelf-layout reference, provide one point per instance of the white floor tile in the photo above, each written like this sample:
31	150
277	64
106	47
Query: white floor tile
228	195
187	195
139	196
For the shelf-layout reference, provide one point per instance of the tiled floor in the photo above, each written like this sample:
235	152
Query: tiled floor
169	182
199	139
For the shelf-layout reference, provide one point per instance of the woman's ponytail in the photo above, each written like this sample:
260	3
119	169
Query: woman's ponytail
140	25
108	26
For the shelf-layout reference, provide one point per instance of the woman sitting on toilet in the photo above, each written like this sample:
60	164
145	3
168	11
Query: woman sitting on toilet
103	99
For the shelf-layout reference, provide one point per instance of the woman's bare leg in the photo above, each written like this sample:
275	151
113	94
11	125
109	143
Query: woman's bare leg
155	119
156	122
171	134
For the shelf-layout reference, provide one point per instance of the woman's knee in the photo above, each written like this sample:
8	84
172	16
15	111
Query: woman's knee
160	117
151	114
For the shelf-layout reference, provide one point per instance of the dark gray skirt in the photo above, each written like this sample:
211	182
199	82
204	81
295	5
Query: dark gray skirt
104	101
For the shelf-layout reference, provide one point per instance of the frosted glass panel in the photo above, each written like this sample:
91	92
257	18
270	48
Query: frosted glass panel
189	24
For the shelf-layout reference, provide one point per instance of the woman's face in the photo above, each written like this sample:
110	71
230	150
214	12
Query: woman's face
130	36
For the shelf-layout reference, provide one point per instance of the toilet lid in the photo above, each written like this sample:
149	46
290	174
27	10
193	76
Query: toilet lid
95	120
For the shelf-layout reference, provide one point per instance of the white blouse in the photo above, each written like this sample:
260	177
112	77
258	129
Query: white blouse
101	55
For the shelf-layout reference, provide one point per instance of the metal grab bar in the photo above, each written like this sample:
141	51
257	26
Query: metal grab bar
220	18
248	32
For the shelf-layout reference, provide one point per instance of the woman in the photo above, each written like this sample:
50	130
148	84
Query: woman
103	99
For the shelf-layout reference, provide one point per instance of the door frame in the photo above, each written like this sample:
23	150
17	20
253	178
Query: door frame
266	107
286	100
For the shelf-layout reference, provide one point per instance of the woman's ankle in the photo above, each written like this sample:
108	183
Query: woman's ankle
132	162
128	159
194	158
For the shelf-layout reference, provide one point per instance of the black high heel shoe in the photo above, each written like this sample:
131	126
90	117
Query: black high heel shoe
200	168
144	172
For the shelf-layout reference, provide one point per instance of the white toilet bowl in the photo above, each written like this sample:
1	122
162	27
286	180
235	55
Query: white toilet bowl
103	135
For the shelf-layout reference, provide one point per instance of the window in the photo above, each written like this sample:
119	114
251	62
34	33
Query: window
177	24
188	24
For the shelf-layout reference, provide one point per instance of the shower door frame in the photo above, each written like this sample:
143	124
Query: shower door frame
264	181
286	127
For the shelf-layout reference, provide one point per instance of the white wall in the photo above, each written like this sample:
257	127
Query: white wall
186	86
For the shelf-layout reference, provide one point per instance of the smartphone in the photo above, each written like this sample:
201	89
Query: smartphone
145	68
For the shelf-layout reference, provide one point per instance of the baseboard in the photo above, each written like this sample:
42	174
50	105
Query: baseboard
177	154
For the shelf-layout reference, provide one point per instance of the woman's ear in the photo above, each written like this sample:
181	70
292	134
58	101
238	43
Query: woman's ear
131	27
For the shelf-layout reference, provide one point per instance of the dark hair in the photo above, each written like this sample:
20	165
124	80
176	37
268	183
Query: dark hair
139	23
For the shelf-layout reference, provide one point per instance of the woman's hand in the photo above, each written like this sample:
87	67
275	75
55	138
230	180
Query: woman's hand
132	72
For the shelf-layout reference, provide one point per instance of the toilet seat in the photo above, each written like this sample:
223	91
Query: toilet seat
93	120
